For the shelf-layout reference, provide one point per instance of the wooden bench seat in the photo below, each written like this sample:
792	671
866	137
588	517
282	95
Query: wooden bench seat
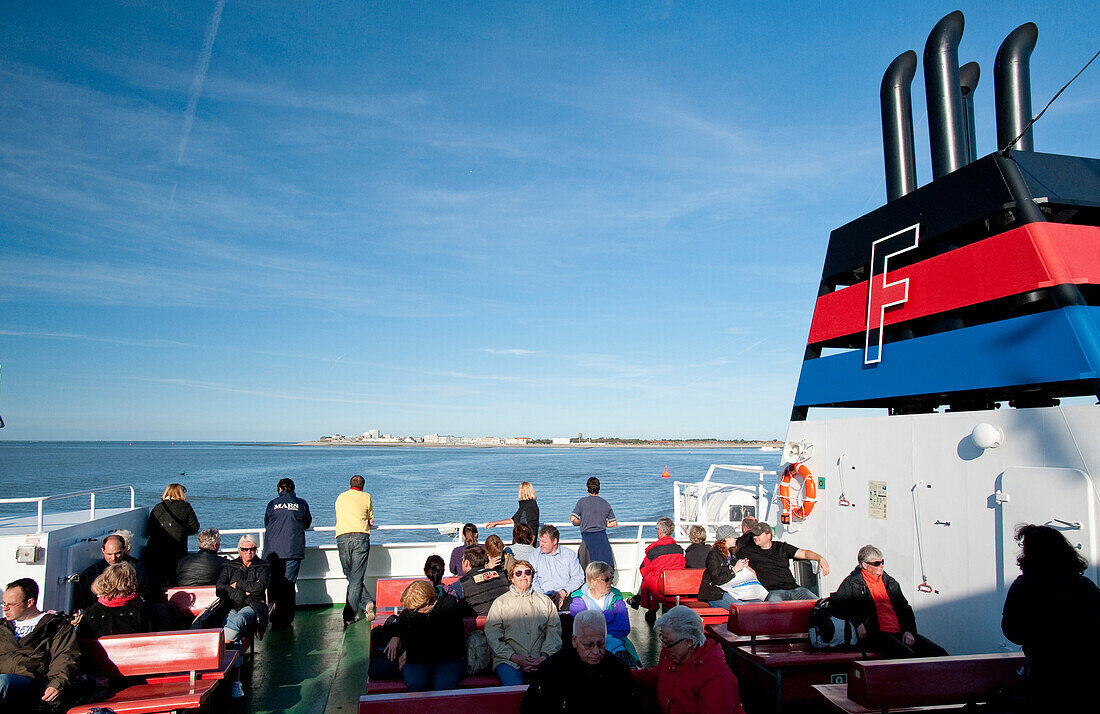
926	682
502	700
710	615
678	587
396	686
129	660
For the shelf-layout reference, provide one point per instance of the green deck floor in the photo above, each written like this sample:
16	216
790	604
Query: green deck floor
317	667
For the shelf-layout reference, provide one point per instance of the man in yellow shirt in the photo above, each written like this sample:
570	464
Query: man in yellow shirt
354	518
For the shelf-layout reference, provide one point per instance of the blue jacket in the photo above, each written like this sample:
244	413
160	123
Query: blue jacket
286	522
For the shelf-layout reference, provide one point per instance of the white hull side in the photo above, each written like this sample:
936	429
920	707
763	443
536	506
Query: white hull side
1045	467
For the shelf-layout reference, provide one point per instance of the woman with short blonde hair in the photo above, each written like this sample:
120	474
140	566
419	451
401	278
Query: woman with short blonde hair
431	632
118	609
598	594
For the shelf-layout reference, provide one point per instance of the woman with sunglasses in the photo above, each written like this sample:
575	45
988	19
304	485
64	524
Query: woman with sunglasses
523	627
691	674
872	600
598	594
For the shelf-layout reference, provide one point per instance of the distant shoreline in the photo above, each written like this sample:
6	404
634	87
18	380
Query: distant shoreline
649	445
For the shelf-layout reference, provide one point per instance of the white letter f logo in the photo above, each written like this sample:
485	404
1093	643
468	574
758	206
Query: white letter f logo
882	294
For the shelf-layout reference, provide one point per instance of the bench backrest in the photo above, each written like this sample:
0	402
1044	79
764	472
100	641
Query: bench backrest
191	600
502	700
387	591
155	652
771	618
930	681
680	582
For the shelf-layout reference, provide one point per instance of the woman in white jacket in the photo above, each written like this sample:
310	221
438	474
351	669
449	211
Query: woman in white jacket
523	627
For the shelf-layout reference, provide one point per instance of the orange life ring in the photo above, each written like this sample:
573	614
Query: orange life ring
809	491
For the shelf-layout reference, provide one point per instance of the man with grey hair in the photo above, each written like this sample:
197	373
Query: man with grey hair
691	673
576	677
242	584
872	601
203	567
663	554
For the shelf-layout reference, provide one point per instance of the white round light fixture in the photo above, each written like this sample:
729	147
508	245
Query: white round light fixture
987	436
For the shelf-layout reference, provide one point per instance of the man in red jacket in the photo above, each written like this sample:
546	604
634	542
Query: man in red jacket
663	554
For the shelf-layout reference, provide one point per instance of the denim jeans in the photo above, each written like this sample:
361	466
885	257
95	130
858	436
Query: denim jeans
796	594
292	567
727	601
420	677
509	675
15	688
354	549
238	623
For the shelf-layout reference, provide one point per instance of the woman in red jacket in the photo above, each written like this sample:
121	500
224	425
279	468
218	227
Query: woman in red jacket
663	554
691	674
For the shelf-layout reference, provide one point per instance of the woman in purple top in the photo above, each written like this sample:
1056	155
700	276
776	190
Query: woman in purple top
594	515
469	537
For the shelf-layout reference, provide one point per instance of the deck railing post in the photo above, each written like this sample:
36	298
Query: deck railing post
39	517
91	507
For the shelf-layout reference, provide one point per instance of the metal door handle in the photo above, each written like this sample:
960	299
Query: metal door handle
1074	525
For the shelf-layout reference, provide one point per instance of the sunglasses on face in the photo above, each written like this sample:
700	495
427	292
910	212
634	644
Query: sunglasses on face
604	579
251	550
522	572
874	563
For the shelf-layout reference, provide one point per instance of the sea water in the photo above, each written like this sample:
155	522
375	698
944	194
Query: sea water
230	484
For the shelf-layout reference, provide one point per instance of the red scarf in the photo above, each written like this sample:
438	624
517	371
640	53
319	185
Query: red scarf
116	601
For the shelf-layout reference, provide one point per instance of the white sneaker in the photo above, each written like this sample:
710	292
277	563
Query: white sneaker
369	612
236	690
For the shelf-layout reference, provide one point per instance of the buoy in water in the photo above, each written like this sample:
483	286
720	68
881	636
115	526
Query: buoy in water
666	474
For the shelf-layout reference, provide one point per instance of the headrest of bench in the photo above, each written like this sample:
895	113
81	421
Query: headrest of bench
771	618
680	582
156	652
387	591
193	599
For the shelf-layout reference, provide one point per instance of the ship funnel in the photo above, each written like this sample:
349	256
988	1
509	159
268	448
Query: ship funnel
945	105
1012	85
897	126
969	74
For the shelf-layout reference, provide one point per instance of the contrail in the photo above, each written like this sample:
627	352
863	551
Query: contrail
199	78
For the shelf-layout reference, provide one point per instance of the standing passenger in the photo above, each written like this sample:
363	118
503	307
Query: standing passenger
527	513
286	521
170	522
354	519
594	515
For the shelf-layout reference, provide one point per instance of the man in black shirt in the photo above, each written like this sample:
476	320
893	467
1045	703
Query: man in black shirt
114	551
771	561
480	585
202	568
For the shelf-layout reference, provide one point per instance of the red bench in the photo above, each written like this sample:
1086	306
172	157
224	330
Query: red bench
387	592
784	667
158	671
922	683
190	600
502	700
678	587
397	686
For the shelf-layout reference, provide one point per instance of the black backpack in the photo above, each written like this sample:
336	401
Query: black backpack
829	632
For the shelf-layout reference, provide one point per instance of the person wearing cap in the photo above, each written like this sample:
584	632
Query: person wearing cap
771	561
728	579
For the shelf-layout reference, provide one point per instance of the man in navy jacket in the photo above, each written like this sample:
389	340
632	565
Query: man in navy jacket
286	521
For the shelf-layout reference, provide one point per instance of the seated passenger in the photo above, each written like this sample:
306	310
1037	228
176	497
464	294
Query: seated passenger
523	627
872	600
691	674
480	585
576	677
1053	610
662	554
114	550
242	588
522	538
38	652
494	548
469	537
771	561
203	567
432	635
118	610
433	571
695	557
558	569
598	595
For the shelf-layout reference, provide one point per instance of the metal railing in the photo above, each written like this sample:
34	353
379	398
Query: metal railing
40	500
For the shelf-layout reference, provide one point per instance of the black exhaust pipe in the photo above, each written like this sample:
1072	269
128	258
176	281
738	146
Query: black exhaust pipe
969	74
941	81
897	126
1012	85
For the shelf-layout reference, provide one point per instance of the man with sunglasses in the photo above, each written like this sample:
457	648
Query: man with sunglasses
242	585
872	600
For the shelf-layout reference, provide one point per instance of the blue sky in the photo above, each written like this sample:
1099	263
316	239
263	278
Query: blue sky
276	220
